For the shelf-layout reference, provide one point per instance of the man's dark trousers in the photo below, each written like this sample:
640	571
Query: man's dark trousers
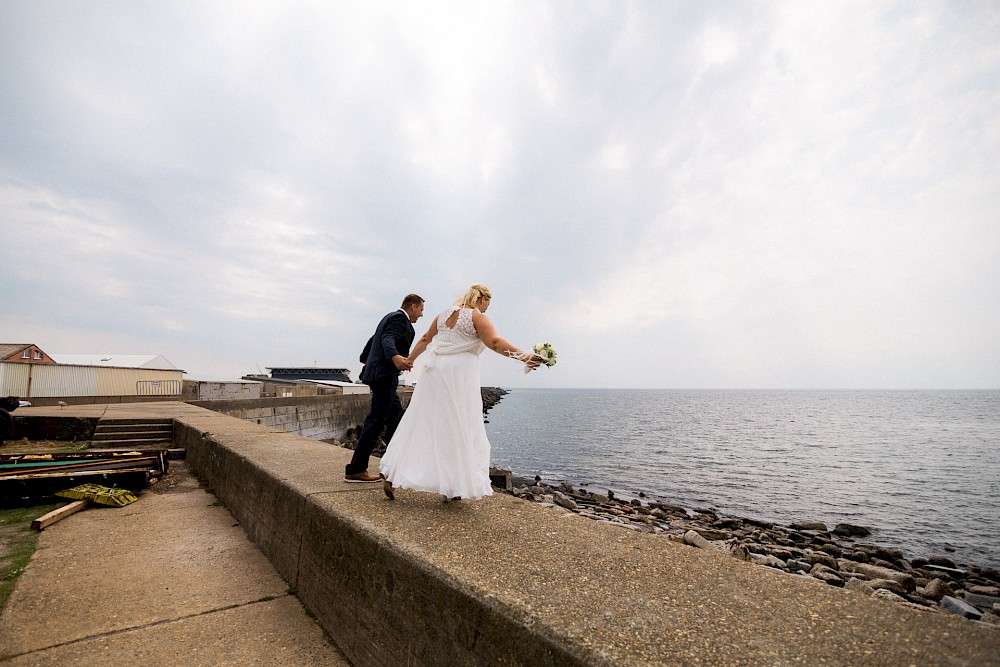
386	411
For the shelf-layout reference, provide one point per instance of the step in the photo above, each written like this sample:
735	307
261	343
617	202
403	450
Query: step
132	442
132	428
126	435
116	422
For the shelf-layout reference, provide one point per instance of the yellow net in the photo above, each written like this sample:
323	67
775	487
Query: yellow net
101	495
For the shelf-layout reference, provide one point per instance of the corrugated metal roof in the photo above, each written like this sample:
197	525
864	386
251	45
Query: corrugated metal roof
150	361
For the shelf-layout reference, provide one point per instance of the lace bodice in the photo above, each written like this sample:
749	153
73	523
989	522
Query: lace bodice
463	325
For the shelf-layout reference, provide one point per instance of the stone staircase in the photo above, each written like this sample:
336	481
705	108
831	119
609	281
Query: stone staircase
133	434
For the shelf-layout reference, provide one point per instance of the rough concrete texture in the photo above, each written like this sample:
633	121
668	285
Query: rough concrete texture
503	581
170	579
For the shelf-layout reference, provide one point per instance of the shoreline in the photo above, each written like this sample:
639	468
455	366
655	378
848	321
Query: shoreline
835	557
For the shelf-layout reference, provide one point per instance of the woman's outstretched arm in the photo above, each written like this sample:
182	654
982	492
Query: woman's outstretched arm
488	334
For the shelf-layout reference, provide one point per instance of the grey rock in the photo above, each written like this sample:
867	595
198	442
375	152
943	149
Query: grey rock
828	577
667	507
876	572
984	602
850	530
935	590
859	585
953	571
960	608
695	539
886	594
887	585
563	501
833	550
824	558
809	525
876	551
768	560
797	565
710	534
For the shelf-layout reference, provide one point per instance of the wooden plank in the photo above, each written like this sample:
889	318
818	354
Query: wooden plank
57	514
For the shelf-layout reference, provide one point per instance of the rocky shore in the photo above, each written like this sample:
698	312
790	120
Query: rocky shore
491	396
837	557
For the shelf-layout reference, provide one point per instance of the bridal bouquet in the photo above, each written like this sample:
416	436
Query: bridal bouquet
543	350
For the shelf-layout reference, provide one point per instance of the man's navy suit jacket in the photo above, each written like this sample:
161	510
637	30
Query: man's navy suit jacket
393	336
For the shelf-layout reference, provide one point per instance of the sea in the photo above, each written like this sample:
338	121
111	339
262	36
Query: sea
920	469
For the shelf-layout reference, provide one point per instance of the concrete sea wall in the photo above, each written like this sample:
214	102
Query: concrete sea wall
316	417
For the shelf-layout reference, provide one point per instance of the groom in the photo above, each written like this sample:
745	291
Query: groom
384	358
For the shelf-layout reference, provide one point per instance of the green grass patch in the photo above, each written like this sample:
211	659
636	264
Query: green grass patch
17	543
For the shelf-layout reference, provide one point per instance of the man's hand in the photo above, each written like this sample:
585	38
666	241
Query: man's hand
402	363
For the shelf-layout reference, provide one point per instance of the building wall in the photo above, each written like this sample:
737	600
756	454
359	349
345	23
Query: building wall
201	390
29	381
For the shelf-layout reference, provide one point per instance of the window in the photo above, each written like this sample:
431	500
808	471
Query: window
26	354
38	354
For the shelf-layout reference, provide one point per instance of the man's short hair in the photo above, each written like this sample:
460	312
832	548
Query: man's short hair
411	300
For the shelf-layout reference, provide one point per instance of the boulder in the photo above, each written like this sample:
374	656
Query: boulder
876	572
768	560
850	530
829	578
563	501
809	525
984	602
886	594
832	549
960	608
797	565
935	590
859	585
695	539
887	585
824	558
876	551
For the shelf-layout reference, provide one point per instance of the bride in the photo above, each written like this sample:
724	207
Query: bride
440	444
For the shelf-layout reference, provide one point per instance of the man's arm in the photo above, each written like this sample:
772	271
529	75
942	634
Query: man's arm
395	328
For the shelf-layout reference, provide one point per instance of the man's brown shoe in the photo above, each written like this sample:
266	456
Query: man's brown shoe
362	477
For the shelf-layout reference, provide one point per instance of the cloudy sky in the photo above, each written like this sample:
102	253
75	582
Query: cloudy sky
674	194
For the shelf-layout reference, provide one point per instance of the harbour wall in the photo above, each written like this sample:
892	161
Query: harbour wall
333	416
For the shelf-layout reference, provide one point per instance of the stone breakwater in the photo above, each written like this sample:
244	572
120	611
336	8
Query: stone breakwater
491	396
807	549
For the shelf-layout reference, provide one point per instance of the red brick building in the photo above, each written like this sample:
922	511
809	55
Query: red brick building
26	352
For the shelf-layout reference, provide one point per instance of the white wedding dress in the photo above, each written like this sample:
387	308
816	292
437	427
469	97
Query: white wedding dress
440	445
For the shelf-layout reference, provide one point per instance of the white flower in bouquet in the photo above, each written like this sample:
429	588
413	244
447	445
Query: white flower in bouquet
546	352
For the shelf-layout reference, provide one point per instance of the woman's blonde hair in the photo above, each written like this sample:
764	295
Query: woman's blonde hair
472	295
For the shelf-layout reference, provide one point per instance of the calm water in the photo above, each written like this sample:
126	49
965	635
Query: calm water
920	468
